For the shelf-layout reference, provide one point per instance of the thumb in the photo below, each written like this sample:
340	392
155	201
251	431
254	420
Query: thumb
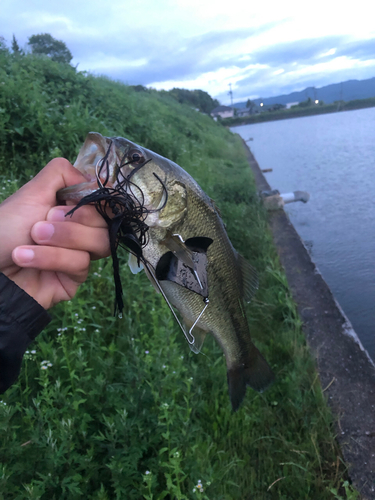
57	174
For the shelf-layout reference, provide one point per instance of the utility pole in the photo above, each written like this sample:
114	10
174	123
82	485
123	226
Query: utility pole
231	94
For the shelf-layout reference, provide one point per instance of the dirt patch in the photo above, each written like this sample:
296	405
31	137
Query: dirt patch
346	372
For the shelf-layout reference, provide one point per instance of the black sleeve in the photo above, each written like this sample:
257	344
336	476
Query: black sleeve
21	319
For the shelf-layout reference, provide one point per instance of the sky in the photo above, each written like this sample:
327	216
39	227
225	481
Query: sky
261	49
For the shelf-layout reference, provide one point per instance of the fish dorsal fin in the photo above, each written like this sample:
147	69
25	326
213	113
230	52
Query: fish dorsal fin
199	336
250	282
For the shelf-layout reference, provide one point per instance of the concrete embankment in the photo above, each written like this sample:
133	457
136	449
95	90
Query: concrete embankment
346	371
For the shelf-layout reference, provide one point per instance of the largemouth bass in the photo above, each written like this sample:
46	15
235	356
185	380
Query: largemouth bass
187	254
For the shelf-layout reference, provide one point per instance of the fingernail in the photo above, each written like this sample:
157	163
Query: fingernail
44	231
24	255
57	215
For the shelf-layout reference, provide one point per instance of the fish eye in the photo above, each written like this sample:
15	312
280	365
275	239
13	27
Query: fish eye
135	156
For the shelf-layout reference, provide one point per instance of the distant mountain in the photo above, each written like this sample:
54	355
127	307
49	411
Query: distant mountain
346	91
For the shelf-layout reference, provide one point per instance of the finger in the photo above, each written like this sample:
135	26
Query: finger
74	263
59	173
74	236
86	215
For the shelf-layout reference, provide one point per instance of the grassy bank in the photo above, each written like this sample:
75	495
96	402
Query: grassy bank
125	410
296	112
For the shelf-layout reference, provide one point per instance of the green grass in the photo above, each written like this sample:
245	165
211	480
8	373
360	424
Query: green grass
109	408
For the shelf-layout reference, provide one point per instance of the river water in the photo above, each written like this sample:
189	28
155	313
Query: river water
333	158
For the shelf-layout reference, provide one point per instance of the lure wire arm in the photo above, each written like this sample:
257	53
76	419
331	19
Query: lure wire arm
191	342
206	302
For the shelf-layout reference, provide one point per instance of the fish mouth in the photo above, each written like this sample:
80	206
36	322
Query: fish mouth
101	163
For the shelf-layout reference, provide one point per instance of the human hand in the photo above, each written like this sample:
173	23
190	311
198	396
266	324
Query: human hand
44	253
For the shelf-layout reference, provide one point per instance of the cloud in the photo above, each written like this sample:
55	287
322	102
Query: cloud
299	51
264	84
361	49
181	59
291	66
189	44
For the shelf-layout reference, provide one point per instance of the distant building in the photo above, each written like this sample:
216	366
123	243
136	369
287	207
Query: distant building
290	104
223	112
243	112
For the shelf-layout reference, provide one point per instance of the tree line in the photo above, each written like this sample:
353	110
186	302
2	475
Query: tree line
46	45
42	45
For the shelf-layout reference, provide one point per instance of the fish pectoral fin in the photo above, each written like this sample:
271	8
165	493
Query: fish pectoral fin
254	372
133	264
250	281
199	336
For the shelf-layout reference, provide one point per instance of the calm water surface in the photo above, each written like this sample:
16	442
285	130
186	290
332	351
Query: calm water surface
333	158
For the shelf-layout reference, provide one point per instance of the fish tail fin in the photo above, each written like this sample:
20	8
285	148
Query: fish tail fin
256	373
